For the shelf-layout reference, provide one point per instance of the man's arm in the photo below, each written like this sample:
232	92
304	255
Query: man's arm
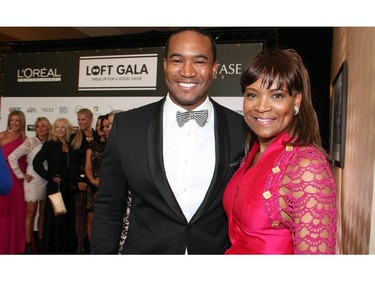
109	206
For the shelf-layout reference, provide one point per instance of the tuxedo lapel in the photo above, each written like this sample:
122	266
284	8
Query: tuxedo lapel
222	160
155	158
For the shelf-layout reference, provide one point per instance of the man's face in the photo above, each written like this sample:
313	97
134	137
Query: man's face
189	68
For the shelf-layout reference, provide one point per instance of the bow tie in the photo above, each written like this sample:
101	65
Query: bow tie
200	116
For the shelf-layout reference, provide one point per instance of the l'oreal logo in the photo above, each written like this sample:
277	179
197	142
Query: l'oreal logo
38	75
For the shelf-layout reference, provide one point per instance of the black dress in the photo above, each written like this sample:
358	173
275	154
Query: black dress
97	150
78	159
58	231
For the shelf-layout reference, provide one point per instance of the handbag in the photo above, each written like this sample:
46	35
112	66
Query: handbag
57	202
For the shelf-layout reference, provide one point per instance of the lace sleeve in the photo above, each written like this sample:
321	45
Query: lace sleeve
20	151
308	203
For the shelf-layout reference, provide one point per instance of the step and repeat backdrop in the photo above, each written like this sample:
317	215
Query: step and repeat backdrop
58	84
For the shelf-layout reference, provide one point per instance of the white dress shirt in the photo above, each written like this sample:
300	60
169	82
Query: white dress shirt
189	156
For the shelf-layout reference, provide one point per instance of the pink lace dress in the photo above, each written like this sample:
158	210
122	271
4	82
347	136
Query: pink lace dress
285	204
13	208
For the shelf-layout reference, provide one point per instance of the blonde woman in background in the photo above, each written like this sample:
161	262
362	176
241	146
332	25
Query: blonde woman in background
35	187
79	143
13	206
58	231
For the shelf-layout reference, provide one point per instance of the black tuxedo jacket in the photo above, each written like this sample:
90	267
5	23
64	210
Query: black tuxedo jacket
133	160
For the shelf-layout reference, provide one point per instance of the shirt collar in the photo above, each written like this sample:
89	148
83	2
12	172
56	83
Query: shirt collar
172	107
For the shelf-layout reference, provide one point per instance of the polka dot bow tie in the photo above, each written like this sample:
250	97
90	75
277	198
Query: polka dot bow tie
200	116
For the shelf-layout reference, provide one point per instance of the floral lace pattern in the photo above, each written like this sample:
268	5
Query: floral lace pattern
305	200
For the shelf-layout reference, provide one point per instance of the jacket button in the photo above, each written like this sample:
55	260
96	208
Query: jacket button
267	195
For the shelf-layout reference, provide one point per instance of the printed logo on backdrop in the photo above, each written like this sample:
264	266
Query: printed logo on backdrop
225	70
48	109
38	75
233	59
63	109
77	108
118	72
31	128
14	108
31	110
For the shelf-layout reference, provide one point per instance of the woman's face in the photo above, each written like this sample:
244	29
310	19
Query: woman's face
15	123
60	130
41	130
269	112
84	122
110	121
98	127
106	127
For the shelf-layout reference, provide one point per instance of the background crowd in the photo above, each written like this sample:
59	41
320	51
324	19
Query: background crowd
56	158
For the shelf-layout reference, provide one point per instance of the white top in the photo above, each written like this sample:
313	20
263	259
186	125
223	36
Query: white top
189	156
35	190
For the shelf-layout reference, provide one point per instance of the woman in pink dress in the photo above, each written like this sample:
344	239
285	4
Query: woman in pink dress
282	200
35	187
13	206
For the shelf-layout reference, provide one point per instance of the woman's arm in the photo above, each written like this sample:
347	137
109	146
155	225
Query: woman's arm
20	151
88	169
39	158
308	202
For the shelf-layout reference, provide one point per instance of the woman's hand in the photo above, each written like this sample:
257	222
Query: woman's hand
27	177
82	186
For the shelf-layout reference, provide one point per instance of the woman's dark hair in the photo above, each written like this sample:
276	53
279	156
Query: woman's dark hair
102	118
286	66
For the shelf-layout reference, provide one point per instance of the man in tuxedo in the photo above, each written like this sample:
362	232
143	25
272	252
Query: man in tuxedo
176	157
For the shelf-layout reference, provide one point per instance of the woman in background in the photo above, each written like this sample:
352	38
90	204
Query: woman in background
12	205
92	167
34	185
58	231
282	200
79	143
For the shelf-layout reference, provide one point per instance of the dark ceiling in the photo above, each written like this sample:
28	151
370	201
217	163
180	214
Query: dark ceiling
12	34
29	39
